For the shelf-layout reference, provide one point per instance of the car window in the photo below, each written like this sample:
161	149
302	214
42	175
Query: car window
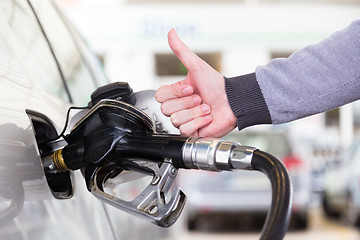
78	78
67	76
32	47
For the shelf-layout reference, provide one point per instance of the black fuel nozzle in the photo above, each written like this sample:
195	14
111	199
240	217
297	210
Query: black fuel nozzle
115	137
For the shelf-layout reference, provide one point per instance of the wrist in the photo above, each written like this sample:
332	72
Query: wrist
246	101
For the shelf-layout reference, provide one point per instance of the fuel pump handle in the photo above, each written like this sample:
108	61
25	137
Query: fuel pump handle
114	136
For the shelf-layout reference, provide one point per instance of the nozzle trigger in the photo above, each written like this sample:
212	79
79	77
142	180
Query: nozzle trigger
150	203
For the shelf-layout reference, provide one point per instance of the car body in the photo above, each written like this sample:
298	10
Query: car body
242	195
45	67
341	196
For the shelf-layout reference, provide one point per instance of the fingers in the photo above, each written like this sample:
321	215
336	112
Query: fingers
185	55
174	105
190	128
176	90
182	117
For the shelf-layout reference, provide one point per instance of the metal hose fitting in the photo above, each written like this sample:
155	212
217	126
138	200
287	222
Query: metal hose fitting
216	154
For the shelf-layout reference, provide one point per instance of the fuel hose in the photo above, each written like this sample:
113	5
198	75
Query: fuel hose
278	217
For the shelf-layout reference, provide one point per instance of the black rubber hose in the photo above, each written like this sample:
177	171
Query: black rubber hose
278	217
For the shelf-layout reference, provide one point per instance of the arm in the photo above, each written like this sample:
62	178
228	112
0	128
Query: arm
314	79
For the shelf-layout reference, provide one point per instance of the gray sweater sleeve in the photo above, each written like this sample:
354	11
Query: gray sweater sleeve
314	79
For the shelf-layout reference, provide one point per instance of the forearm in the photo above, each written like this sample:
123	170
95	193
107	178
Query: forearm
312	80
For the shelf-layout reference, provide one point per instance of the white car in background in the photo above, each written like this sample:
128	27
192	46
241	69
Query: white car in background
44	68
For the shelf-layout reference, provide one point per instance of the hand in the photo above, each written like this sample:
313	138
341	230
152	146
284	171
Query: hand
197	105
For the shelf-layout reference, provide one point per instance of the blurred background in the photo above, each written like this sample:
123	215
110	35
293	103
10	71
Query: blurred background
234	36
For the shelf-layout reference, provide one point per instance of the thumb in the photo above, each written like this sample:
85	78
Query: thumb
185	55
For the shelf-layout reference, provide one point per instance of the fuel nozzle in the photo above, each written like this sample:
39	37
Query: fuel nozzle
114	137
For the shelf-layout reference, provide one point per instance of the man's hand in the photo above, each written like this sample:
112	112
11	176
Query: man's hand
197	105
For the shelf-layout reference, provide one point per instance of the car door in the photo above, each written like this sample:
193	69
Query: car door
45	67
34	87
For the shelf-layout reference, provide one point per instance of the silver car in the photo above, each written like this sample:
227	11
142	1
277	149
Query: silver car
242	199
341	197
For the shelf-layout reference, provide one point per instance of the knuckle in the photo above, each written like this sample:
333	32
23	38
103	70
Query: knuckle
185	131
158	96
196	112
164	110
174	120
